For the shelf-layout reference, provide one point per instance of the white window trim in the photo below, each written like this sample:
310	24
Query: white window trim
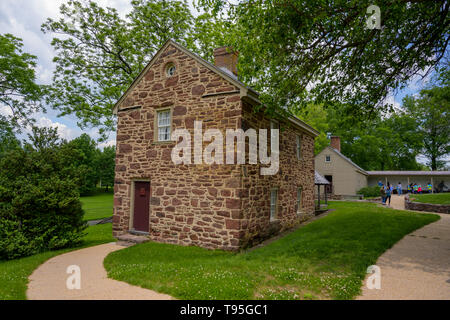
327	157
169	66
158	126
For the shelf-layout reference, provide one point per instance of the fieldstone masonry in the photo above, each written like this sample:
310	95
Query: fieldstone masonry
429	207
212	206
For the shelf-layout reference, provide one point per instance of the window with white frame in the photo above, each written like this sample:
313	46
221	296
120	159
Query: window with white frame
299	147
327	158
299	199
164	124
273	203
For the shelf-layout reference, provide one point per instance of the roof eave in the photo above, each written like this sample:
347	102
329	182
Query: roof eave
251	98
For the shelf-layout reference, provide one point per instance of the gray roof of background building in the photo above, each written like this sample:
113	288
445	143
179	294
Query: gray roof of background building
319	179
408	173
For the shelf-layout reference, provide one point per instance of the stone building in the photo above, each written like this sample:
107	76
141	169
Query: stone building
346	177
226	206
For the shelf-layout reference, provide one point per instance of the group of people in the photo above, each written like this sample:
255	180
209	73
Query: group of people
417	188
387	190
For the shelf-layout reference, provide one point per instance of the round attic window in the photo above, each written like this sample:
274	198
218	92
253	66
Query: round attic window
170	69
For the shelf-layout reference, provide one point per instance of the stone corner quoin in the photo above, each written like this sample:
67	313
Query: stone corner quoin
212	206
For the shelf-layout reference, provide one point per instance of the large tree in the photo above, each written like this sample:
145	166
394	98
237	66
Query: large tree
295	51
8	140
105	162
19	93
79	156
431	112
383	143
99	53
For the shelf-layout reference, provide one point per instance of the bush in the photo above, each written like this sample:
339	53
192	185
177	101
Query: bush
370	191
40	207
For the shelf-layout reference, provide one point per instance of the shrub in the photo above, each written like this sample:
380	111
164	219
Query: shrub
370	191
40	207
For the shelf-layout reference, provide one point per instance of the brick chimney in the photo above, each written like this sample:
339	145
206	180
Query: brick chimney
335	143
226	57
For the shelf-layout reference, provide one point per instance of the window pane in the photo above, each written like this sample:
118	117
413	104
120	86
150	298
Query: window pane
164	125
164	118
164	134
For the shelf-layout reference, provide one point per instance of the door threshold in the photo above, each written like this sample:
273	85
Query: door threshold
138	233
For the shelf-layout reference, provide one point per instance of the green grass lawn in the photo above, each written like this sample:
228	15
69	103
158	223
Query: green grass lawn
435	198
325	259
14	273
98	206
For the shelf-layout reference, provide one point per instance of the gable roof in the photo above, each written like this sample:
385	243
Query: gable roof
319	179
358	168
245	91
227	75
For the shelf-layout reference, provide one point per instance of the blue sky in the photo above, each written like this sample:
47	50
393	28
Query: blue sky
23	18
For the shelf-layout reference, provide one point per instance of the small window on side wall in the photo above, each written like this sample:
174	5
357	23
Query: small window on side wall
273	203
327	158
170	69
163	125
299	199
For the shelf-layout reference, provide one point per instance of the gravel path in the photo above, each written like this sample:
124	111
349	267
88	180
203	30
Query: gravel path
48	282
416	267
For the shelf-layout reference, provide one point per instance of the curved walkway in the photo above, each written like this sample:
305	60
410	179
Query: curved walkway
416	267
48	282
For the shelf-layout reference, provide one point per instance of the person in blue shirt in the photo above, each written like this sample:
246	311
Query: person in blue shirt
383	194
399	188
388	193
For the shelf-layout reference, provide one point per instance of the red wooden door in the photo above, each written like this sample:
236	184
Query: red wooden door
141	206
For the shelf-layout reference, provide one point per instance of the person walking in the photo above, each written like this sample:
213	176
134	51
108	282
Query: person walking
383	195
399	188
388	194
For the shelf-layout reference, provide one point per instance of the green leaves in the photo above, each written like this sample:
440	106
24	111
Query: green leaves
431	113
18	91
100	53
302	51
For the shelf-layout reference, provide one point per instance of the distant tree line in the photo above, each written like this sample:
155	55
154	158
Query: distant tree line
391	140
81	159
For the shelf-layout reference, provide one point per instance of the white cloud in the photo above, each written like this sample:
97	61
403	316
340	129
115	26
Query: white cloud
390	99
5	110
63	130
109	143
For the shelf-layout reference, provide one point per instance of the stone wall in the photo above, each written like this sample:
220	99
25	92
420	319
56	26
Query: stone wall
293	173
429	207
212	206
190	204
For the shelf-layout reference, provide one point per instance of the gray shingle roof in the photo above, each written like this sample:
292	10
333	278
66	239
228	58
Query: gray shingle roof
319	179
408	173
